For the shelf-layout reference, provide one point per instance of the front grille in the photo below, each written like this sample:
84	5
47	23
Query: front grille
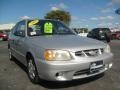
93	52
88	71
90	53
81	72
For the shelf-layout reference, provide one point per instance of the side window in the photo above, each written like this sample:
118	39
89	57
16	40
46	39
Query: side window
96	33
19	29
93	33
14	29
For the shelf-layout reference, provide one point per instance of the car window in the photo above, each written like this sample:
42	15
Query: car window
92	33
62	29
14	29
19	27
34	27
47	27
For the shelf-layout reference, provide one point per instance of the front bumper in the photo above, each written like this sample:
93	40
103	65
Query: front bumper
70	70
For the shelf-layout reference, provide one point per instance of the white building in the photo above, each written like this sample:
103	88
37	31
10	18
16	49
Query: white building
114	29
6	27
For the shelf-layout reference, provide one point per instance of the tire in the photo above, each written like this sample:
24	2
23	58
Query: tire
11	57
32	70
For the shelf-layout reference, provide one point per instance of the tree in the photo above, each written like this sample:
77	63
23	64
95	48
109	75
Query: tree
59	15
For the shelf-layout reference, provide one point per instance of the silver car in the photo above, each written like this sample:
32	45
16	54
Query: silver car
51	51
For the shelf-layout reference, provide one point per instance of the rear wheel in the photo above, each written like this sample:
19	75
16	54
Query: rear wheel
32	71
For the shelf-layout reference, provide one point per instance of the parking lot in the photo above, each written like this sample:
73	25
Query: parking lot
13	75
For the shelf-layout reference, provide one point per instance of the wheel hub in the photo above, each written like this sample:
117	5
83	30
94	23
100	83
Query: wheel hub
31	69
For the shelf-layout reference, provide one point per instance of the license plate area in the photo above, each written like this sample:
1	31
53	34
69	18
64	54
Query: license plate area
96	66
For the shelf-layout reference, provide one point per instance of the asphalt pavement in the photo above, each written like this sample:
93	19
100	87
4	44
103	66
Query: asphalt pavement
13	75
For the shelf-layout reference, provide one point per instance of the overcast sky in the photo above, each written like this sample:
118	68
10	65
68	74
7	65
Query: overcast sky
84	13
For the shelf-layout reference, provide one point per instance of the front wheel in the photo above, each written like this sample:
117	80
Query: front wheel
32	71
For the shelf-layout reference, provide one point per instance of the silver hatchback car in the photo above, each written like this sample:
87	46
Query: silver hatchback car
51	51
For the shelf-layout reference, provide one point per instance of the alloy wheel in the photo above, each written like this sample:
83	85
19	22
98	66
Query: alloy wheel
31	69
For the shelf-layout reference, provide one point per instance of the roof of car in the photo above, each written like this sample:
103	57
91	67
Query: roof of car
37	19
40	19
101	29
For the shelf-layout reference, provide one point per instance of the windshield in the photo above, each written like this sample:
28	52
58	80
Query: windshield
47	27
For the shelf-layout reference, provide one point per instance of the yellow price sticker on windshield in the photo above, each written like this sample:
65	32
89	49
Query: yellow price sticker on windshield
33	23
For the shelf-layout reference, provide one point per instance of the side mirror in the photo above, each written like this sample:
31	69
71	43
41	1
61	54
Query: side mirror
20	33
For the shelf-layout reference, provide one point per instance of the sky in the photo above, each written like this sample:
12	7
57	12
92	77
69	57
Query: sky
84	13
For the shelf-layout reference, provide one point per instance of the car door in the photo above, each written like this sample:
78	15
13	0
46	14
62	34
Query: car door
12	39
19	41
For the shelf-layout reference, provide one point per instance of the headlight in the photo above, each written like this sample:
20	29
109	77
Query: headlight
107	49
57	55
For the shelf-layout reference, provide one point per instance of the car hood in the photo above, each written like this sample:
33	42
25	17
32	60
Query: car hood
66	42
